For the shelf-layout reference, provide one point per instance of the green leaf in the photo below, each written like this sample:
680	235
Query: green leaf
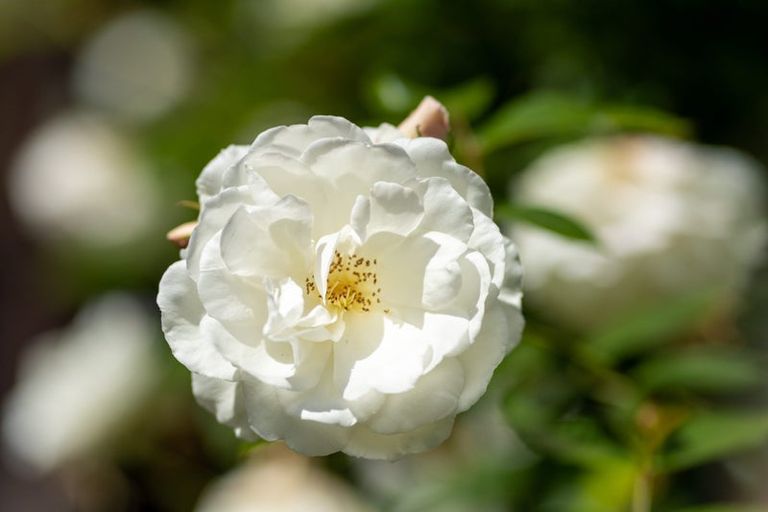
648	327
547	114
645	119
713	435
536	115
699	369
546	219
469	99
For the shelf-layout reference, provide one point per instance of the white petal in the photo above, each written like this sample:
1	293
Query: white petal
500	332
434	398
360	216
487	239
319	325
321	403
343	240
209	183
443	273
288	176
285	301
270	421
181	316
350	169
226	297
357	165
269	362
445	210
366	443
376	353
293	140
385	132
271	241
420	271
432	158
394	208
446	334
217	213
225	400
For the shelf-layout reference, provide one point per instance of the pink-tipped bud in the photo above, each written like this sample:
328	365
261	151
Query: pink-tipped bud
430	119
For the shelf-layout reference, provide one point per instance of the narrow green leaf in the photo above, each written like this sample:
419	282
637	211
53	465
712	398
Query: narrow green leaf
546	219
547	114
536	115
645	119
713	435
648	327
699	369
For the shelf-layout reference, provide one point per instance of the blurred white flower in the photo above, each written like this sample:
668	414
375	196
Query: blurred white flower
76	178
306	13
137	67
670	218
280	482
76	387
339	294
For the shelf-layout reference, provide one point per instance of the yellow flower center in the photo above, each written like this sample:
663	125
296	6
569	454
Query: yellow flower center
353	284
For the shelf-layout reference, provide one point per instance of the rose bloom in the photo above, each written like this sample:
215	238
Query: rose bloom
340	294
280	481
76	387
670	218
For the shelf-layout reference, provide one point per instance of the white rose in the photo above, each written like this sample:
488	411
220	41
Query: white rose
670	218
340	294
78	178
76	387
280	481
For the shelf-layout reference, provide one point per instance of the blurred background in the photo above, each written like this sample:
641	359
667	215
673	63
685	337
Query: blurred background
650	395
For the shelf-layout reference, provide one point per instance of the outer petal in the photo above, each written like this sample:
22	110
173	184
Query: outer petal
225	400
434	398
293	140
181	316
432	158
366	443
385	132
500	332
268	418
487	239
209	183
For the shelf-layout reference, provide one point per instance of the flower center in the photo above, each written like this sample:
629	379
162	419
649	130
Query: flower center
352	283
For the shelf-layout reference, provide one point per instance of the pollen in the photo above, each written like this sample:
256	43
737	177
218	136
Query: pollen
352	284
